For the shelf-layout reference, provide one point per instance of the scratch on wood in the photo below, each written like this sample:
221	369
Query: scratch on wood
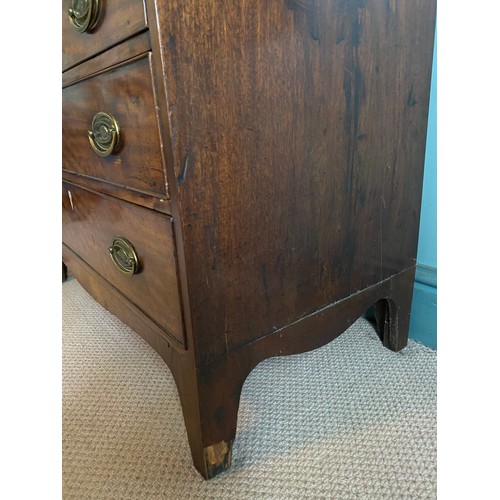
410	102
225	332
266	285
182	176
381	243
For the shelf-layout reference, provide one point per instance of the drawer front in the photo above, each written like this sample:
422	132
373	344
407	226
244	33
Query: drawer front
126	93
91	222
115	21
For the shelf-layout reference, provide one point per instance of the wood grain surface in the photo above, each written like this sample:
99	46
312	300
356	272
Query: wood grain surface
90	222
292	135
132	48
126	92
119	20
298	132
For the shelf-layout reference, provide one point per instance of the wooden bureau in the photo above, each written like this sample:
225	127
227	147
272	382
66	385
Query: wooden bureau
243	179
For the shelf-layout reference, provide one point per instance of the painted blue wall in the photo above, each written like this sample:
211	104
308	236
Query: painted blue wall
427	254
423	323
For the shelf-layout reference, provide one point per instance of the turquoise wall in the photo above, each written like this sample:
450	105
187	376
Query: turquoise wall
427	254
423	324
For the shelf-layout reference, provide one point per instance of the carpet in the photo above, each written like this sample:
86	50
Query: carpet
351	420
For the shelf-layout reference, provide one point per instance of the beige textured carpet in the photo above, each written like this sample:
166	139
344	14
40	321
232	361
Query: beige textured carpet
348	420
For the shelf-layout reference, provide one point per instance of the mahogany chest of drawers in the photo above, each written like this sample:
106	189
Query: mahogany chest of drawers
243	179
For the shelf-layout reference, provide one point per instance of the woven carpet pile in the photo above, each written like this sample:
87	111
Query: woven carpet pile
349	420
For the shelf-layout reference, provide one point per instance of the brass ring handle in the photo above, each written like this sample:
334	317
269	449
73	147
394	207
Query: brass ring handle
123	256
105	134
84	14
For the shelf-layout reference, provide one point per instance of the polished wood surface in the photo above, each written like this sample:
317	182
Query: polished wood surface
155	202
299	181
130	49
291	135
119	20
89	223
125	92
219	394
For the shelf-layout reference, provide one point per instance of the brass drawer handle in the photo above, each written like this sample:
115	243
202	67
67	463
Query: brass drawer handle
123	256
84	14
105	134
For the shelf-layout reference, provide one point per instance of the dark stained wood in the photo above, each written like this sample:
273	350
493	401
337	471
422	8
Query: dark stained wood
220	382
293	136
167	140
126	93
299	146
144	199
127	50
180	362
117	303
119	20
90	222
210	397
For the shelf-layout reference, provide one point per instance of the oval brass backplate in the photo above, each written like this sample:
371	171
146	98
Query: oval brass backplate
105	134
84	14
124	256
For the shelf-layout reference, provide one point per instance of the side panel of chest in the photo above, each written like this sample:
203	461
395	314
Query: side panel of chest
298	139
